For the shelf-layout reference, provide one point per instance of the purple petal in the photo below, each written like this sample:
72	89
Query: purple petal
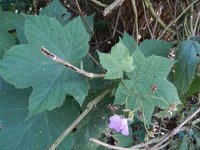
115	123
124	127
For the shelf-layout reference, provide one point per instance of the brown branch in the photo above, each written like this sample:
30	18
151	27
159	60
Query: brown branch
177	18
99	3
90	106
176	130
113	5
136	20
154	15
117	21
82	15
68	65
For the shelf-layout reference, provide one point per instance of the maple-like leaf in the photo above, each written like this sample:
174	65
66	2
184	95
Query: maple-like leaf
148	86
24	65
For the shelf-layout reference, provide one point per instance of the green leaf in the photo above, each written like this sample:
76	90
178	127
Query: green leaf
92	126
8	22
25	65
184	144
122	141
155	47
56	10
188	58
196	131
117	61
195	38
38	132
194	87
6	41
129	43
20	29
163	114
148	86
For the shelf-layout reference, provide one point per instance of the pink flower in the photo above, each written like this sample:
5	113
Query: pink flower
119	124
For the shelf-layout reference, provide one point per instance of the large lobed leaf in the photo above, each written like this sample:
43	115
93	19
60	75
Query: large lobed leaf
117	61
148	86
38	132
25	65
188	57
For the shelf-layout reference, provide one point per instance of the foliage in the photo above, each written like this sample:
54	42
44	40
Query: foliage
188	59
116	62
41	95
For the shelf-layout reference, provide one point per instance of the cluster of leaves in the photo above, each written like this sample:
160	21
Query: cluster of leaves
39	98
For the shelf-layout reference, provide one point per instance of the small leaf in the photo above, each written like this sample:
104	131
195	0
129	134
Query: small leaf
36	133
129	43
137	93
117	61
56	10
122	141
155	47
163	114
188	58
25	65
8	22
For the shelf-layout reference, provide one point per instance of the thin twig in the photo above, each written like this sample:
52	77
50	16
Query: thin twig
113	5
90	106
99	3
68	65
155	26
196	23
145	144
153	13
176	130
164	145
93	59
117	21
172	22
157	139
147	23
136	20
82	15
110	146
191	20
